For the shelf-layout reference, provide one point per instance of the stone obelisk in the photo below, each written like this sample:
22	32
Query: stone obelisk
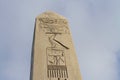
53	54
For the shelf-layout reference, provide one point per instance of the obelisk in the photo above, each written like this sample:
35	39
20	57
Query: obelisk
53	54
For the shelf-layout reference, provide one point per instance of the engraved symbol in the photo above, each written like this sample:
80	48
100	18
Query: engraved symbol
56	57
53	28
55	42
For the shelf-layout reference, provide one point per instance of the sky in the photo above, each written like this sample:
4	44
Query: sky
95	28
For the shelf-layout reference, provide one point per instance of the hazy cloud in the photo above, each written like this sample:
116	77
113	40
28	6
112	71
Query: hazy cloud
95	29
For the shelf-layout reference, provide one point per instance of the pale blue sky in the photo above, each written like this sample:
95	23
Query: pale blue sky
95	27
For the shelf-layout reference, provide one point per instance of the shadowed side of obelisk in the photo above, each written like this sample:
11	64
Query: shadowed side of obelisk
32	54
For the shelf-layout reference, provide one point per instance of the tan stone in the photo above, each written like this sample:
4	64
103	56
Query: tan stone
53	54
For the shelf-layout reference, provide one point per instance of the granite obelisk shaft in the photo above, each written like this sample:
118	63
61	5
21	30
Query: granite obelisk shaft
53	54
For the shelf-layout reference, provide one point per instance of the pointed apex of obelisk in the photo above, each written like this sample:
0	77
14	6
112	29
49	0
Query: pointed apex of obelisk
50	14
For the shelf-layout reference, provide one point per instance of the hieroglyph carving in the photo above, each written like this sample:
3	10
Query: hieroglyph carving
56	59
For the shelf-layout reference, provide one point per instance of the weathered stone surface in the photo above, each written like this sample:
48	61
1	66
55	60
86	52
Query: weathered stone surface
53	55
